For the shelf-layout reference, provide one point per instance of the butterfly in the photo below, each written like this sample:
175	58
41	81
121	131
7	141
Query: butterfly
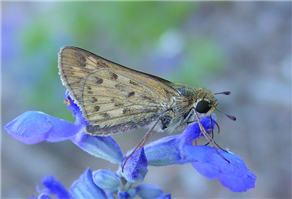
116	99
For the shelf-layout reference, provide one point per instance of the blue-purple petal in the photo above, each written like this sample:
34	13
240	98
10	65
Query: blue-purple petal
124	194
207	170
198	153
106	179
53	186
101	147
233	173
135	168
238	183
149	191
193	131
164	151
84	187
32	127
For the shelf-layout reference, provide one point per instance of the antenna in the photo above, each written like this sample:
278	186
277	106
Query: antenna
223	93
229	116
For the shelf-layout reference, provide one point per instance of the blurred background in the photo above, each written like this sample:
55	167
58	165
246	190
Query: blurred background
242	47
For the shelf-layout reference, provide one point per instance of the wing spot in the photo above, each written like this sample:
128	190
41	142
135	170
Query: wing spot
126	110
96	108
105	115
119	86
98	80
131	94
118	104
89	92
93	100
88	87
113	76
134	83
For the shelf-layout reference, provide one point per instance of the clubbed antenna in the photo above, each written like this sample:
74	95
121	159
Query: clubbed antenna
229	116
223	93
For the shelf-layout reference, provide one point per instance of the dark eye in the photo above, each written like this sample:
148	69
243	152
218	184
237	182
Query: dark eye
203	106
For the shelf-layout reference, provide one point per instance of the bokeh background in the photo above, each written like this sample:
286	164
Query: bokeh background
243	47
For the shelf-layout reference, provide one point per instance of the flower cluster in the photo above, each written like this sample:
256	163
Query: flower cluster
32	127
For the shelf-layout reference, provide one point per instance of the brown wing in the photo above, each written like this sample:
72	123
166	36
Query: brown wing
113	98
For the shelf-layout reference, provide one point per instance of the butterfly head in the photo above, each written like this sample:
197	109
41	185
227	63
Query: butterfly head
205	102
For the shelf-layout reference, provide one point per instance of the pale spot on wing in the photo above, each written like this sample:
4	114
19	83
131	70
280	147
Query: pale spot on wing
91	63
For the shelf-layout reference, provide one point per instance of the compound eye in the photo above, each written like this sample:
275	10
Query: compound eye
203	106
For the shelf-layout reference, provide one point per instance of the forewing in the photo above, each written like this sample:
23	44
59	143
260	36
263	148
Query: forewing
113	98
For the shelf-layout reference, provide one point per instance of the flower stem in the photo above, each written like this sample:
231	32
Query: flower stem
127	186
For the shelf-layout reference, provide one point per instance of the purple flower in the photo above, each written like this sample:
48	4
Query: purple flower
151	191
53	186
84	187
97	184
178	149
32	127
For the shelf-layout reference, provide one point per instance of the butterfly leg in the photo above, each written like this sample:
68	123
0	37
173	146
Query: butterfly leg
209	138
142	142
